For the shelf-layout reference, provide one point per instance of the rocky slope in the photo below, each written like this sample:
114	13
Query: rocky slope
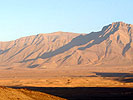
24	94
113	45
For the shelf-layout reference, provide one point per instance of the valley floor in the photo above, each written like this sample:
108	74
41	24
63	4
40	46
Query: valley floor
75	82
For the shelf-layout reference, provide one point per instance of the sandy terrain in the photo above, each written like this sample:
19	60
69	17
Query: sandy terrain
66	82
71	83
69	77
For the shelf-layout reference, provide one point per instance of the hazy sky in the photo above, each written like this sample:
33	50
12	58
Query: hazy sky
20	18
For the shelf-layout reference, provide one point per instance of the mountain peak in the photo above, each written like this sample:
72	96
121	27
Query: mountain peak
62	33
116	26
59	32
120	23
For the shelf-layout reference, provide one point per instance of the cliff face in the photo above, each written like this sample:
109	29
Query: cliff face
113	45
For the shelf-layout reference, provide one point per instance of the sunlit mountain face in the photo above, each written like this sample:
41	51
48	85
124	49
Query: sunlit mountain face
113	45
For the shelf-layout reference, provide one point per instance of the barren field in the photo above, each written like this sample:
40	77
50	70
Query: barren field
73	82
69	77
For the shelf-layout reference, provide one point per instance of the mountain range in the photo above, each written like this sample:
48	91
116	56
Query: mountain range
113	45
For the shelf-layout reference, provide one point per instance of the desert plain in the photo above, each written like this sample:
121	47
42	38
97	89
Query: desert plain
72	83
95	76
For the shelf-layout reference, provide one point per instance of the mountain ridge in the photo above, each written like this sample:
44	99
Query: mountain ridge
111	46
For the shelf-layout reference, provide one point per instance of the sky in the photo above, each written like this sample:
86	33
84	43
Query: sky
19	18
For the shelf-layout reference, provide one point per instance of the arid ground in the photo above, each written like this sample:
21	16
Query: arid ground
73	82
69	77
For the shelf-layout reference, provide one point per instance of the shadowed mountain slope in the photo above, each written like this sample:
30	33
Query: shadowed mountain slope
113	45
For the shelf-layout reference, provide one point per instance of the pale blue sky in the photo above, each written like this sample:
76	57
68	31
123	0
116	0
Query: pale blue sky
19	18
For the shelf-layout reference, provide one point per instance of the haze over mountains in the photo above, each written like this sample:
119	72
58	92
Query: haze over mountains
113	45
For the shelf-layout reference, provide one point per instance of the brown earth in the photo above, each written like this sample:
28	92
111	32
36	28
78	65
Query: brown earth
24	94
117	76
74	83
92	83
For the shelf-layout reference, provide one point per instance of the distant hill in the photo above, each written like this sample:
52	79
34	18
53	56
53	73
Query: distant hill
113	45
